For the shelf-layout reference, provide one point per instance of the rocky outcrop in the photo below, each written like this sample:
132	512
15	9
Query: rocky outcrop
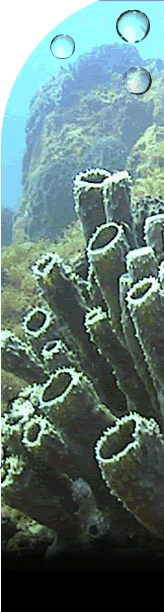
82	118
7	219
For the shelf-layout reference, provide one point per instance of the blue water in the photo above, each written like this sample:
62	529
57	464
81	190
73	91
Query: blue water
91	26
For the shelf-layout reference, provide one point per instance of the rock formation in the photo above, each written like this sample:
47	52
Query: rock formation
83	118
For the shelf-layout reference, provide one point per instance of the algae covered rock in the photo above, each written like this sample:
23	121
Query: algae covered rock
82	118
7	220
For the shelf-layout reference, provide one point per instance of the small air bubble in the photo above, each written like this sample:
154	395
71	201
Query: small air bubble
133	26
62	46
137	80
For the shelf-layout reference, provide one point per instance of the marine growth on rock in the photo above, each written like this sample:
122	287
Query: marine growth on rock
71	444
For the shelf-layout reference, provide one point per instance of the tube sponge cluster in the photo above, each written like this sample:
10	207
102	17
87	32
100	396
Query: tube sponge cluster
91	418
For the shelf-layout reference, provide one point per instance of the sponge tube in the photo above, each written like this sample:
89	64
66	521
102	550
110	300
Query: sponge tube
130	459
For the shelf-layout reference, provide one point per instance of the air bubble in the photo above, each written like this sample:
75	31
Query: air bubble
133	26
137	80
62	46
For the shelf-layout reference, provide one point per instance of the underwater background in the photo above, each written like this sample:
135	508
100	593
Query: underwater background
78	358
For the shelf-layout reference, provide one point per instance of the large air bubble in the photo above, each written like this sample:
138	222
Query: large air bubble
62	46
137	80
133	26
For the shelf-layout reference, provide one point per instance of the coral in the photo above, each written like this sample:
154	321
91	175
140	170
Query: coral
70	437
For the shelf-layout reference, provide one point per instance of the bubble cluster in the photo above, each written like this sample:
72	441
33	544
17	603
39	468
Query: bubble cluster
132	26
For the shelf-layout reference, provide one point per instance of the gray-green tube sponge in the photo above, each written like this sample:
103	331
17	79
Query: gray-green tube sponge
26	431
12	470
88	197
134	346
41	264
161	275
106	254
60	287
100	332
146	308
130	458
43	440
19	358
23	487
60	283
55	354
61	290
23	430
40	326
71	403
101	196
154	234
141	262
117	198
145	207
13	421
